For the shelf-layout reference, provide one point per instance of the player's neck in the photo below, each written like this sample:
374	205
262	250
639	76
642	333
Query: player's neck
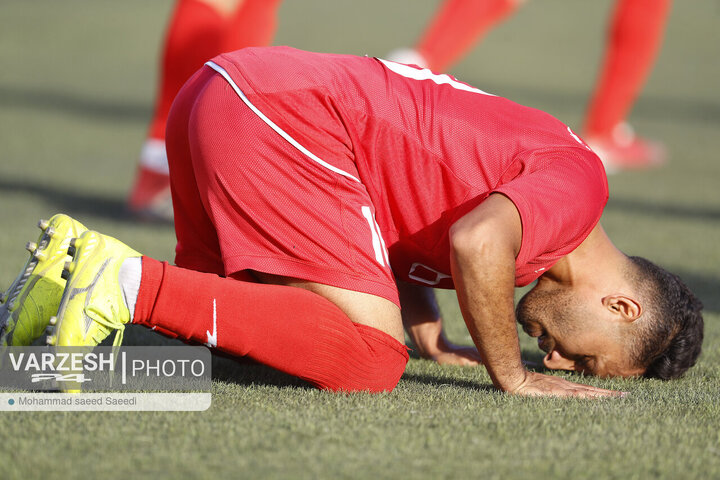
595	260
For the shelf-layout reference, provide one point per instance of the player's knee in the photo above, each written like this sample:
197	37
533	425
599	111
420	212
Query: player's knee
390	372
386	364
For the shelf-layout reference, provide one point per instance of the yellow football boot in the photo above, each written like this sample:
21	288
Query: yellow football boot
34	296
92	304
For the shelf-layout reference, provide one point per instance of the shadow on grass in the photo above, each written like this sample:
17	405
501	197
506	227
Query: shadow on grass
94	203
243	371
680	212
650	107
453	382
73	201
73	104
78	104
239	371
246	372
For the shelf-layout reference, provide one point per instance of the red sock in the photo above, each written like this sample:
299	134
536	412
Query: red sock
456	27
293	330
634	39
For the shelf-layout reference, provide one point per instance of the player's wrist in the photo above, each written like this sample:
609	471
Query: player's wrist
428	338
428	349
512	382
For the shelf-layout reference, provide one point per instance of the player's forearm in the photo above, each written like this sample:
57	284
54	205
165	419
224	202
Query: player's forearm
484	276
483	247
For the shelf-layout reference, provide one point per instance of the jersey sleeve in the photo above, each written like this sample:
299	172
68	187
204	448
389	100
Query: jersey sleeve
559	202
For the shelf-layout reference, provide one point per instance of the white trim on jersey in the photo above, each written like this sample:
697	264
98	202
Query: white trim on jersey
377	242
382	241
426	74
274	126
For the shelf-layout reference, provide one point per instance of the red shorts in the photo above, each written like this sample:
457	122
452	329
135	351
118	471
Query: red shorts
247	196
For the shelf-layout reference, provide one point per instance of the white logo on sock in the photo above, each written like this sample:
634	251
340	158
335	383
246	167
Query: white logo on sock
212	338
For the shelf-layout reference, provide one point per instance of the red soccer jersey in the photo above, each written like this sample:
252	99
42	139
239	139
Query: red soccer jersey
429	149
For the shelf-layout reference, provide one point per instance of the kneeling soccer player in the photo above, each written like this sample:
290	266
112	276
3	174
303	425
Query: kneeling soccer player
315	194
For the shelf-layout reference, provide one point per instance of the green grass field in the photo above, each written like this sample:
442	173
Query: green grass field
76	89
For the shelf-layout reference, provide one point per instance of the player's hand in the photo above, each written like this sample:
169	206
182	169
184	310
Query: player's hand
451	354
539	385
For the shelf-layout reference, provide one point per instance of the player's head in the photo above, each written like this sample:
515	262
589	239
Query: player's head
654	329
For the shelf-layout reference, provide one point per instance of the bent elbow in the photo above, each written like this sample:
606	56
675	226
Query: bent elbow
479	243
466	241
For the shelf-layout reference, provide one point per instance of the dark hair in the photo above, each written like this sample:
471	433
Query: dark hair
670	338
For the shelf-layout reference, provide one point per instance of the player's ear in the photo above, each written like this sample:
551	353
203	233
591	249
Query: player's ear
557	361
623	307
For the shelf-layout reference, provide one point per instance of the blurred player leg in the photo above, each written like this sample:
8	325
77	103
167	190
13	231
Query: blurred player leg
252	25
455	28
195	33
634	39
198	30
